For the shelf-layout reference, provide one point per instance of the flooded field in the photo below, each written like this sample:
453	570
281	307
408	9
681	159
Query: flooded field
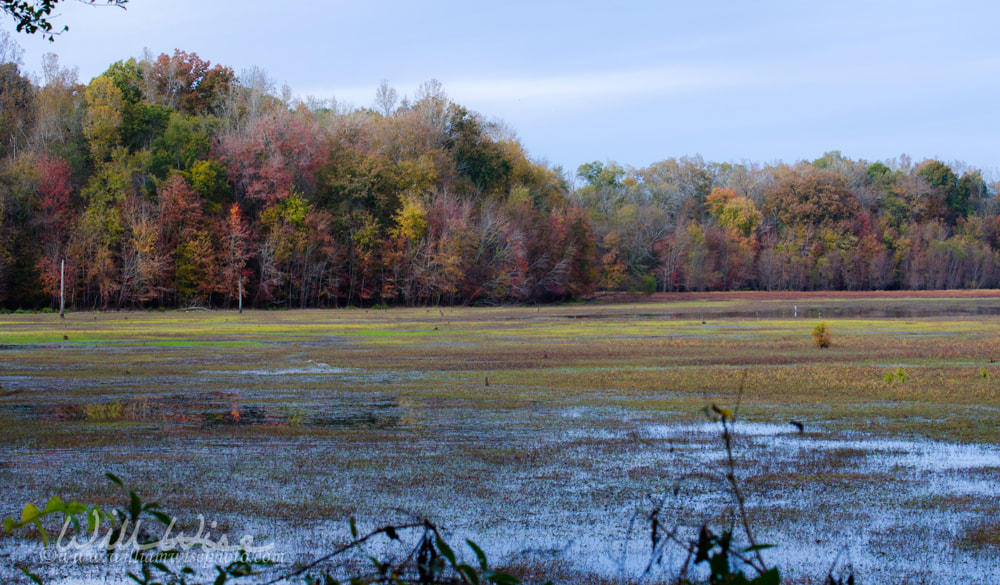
545	434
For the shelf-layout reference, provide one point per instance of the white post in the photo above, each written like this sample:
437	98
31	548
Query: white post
62	290
241	294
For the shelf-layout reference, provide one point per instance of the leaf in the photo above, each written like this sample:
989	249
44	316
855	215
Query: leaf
719	564
771	577
469	573
54	505
93	519
29	514
31	575
163	518
503	579
134	505
239	569
479	554
446	551
114	479
8	525
706	542
113	539
723	412
354	528
757	547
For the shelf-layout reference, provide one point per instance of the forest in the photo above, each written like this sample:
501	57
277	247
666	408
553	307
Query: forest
168	181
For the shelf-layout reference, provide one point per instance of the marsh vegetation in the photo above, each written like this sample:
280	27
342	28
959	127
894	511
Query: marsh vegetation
540	432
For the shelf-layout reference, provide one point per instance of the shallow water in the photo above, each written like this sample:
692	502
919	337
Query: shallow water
872	309
869	504
289	447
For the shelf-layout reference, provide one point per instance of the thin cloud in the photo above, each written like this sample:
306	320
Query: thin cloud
598	86
580	88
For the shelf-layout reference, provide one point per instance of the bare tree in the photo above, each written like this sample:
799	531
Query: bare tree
10	51
385	98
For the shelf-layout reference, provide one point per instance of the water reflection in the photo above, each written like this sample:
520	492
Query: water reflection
901	310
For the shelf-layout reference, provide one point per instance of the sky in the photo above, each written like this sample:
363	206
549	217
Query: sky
629	82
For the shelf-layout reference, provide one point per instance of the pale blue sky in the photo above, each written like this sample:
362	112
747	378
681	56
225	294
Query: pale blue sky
632	82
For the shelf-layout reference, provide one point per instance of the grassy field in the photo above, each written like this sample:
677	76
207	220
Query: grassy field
538	431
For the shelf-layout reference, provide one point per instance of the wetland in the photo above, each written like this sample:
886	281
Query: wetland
542	433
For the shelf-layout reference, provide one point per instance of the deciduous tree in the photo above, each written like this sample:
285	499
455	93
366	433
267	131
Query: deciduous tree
17	109
105	115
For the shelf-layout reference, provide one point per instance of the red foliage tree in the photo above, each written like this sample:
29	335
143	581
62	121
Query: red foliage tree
234	251
53	220
275	154
186	82
182	222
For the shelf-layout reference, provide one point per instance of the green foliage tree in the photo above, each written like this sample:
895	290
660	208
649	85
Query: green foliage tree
955	194
183	141
877	170
477	155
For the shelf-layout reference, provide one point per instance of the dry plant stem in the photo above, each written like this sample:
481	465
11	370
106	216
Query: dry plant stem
658	550
341	550
692	550
727	437
731	477
739	394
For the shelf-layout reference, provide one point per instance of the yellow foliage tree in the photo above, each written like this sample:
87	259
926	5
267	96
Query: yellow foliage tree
103	122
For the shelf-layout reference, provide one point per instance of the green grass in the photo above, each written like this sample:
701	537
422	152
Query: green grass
637	361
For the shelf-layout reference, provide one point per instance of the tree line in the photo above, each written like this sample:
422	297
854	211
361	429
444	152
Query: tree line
828	224
167	181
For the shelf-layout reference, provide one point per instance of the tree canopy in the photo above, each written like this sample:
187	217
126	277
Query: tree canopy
172	181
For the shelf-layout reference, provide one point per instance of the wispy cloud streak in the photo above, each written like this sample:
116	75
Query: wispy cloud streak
582	87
